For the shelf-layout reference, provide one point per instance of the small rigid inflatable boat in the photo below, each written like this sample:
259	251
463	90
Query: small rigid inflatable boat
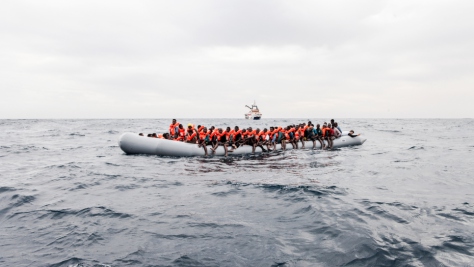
132	143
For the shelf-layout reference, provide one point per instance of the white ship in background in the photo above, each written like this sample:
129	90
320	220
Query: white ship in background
254	113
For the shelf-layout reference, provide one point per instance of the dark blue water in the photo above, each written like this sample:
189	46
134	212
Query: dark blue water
70	197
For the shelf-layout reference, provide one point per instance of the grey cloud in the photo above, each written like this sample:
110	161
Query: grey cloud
80	59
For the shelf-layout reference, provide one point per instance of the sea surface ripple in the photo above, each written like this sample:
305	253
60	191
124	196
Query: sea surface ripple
70	197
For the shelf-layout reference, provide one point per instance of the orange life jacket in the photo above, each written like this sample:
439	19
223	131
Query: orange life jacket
297	134
191	136
173	128
203	135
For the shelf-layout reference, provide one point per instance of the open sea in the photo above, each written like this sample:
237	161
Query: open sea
69	196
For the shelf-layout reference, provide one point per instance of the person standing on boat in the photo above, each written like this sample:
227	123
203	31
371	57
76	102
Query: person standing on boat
174	126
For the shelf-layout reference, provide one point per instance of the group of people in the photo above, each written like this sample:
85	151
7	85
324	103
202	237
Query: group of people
233	138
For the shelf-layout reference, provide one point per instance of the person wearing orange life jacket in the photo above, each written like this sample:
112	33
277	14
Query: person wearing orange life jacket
297	135
204	140
270	137
249	136
181	133
303	132
262	139
254	140
212	135
285	137
235	136
191	134
277	137
221	138
174	129
291	136
243	139
228	135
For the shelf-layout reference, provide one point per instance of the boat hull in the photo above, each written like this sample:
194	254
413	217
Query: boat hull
132	143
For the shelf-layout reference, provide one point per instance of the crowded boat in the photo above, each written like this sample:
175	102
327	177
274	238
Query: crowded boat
294	136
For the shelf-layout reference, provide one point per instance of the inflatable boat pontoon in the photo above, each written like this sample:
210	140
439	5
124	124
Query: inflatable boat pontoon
132	143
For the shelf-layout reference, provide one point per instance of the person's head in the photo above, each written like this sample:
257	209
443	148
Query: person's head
258	130
236	128
166	135
317	126
310	126
140	134
329	125
148	135
220	130
199	126
204	129
227	129
309	122
174	121
351	131
332	121
249	129
154	135
244	130
272	128
212	128
265	130
180	126
335	124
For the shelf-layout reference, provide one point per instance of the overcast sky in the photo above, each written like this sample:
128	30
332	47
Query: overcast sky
299	59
